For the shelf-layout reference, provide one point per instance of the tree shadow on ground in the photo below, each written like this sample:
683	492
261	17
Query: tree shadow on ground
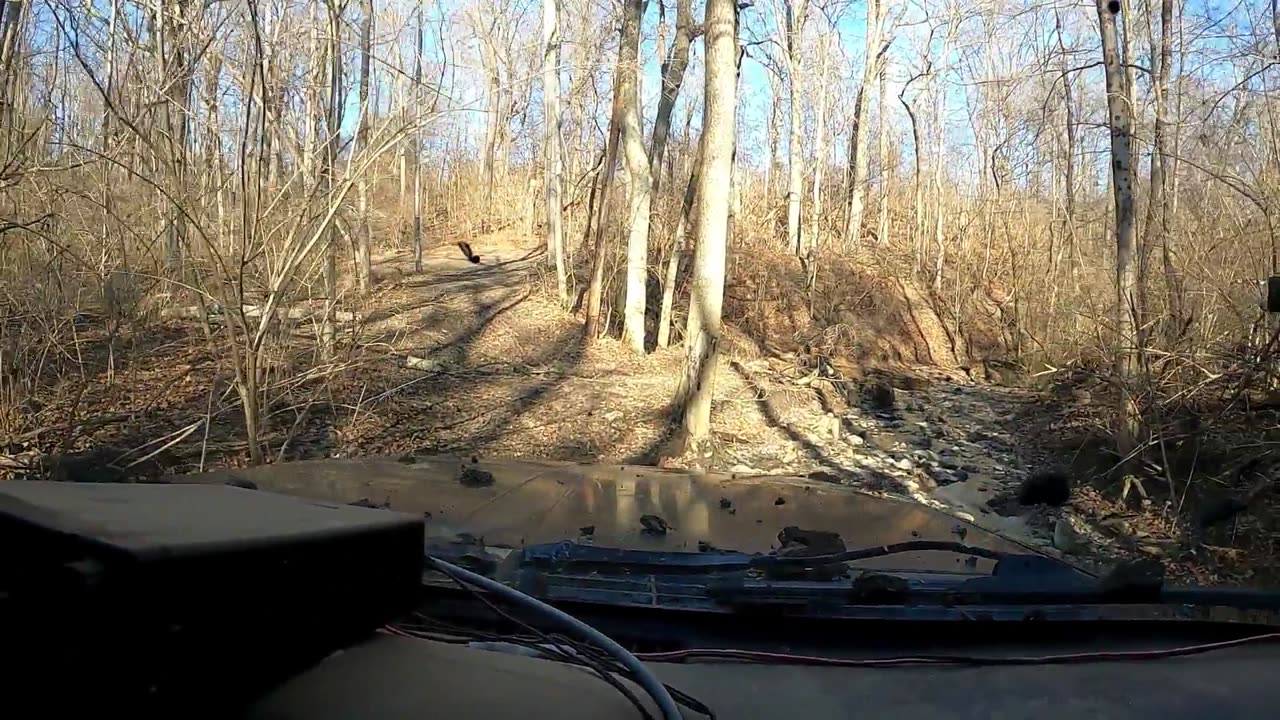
832	471
561	354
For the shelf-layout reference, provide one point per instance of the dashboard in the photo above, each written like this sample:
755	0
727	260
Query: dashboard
395	677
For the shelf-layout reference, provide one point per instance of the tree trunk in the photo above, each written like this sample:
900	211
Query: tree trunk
775	102
672	78
820	148
886	172
1126	308
1069	180
416	145
1157	221
795	157
554	173
715	179
364	270
333	123
858	133
939	161
796	12
595	290
678	245
639	193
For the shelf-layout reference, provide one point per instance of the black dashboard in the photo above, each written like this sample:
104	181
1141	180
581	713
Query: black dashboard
393	677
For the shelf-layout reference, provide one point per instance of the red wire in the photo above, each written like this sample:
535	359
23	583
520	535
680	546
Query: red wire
759	656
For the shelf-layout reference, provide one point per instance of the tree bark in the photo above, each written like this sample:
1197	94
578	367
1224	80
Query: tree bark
1120	119
673	69
715	179
416	149
595	290
820	150
364	270
1069	179
886	172
795	16
639	193
678	245
858	154
1157	221
554	173
333	123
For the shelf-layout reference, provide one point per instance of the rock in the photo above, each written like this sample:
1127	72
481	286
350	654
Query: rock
884	442
943	477
474	477
960	475
587	530
797	541
878	394
653	525
904	464
725	503
922	441
1045	487
613	416
780	501
822	476
242	484
1219	510
1065	537
1140	575
855	440
948	464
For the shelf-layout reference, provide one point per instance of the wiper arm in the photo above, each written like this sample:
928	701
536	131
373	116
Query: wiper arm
768	561
567	554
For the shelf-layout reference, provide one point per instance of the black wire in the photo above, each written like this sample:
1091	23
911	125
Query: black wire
678	695
555	653
532	643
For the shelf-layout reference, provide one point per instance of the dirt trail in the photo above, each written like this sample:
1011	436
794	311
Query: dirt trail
511	377
479	359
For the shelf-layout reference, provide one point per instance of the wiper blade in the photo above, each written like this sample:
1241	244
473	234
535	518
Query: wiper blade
567	554
765	561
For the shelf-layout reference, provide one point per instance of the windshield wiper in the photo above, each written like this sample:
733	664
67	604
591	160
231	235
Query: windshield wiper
567	555
731	578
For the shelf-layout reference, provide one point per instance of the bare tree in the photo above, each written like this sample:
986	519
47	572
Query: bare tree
790	18
639	190
554	171
873	53
715	179
363	232
1120	121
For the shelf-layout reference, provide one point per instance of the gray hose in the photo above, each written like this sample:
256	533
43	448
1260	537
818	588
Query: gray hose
641	674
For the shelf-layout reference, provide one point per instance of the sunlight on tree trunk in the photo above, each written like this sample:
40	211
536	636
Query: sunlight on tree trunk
715	179
639	190
363	231
1120	121
873	54
554	171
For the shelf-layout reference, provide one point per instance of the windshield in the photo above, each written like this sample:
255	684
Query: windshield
688	276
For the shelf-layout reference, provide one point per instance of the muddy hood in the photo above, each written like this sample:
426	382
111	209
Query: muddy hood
514	503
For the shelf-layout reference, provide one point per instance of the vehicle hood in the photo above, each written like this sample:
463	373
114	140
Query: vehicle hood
515	503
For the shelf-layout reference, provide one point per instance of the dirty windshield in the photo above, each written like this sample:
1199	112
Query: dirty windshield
568	277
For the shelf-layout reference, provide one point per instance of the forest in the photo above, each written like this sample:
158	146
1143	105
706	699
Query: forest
746	235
